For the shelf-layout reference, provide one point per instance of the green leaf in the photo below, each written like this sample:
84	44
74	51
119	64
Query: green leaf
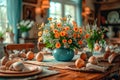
90	44
1	35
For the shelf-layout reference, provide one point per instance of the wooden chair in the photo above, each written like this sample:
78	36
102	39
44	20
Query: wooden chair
45	51
40	46
19	47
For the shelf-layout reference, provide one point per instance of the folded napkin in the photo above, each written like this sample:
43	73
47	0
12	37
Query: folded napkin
94	67
101	67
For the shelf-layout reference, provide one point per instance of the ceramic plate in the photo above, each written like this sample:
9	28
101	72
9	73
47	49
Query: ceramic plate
85	69
31	68
39	71
113	17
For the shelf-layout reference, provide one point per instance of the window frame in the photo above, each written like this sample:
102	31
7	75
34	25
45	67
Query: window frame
66	2
55	9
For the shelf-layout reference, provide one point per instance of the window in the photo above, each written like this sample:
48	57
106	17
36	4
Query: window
55	9
70	10
3	15
59	8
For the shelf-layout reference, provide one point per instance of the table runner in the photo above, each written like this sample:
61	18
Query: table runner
51	62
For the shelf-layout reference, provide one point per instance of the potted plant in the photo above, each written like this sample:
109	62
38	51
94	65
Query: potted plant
95	35
62	35
24	26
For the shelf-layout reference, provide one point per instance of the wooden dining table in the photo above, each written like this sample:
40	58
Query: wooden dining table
57	70
76	75
69	74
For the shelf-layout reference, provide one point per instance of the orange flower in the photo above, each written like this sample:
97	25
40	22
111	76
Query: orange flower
50	19
40	39
58	45
41	26
46	31
59	25
74	35
87	36
63	29
67	28
40	33
74	23
64	19
66	35
57	35
70	41
80	30
64	40
75	29
78	36
52	26
80	42
55	30
62	33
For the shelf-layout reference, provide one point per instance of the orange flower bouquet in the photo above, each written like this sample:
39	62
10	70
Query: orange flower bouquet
61	33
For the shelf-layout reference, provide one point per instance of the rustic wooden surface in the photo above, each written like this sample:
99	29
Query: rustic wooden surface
66	74
74	75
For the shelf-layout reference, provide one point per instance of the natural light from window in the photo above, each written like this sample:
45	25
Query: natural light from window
70	10
60	9
3	15
55	10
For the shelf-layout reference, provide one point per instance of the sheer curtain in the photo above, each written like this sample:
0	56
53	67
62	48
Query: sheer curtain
14	15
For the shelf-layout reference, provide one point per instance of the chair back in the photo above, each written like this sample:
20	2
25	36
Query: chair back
40	46
19	47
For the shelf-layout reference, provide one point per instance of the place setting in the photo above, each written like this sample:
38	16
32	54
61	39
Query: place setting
14	65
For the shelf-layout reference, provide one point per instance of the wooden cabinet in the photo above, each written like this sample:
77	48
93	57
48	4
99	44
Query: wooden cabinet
108	14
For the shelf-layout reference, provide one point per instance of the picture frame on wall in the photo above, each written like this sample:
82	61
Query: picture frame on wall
28	12
30	1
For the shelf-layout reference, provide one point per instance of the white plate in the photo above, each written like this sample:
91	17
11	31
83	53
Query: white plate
113	17
30	67
22	74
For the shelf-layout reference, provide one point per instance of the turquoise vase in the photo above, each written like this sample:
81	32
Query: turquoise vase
25	35
63	54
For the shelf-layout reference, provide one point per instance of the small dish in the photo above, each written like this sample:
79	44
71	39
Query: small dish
113	17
